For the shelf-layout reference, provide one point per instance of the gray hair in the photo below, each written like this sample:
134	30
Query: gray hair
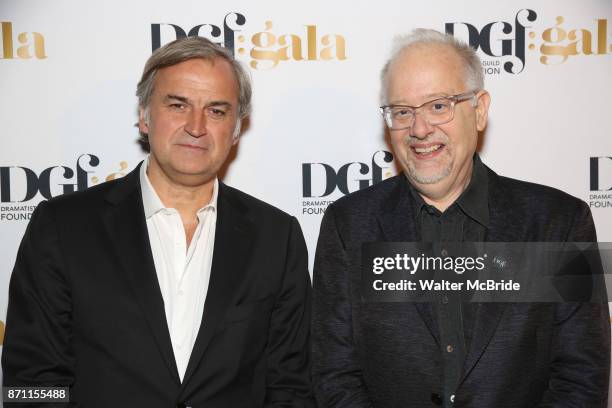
474	78
185	49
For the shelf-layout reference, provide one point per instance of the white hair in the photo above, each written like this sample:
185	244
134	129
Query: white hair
474	78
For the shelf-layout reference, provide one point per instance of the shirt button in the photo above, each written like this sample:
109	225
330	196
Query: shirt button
180	293
452	398
449	348
444	252
445	299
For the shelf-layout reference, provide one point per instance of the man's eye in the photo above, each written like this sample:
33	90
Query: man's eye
216	112
177	106
439	106
400	113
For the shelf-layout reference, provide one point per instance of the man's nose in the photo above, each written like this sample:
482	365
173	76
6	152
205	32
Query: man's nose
421	127
196	123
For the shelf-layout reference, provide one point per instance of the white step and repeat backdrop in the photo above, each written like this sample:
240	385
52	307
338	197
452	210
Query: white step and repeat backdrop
68	72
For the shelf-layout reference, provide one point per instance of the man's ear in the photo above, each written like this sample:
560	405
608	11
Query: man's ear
483	100
237	130
143	120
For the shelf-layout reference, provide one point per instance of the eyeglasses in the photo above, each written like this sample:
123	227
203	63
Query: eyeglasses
436	112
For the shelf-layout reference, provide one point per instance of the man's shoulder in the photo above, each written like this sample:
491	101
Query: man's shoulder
531	195
88	200
522	210
372	199
256	208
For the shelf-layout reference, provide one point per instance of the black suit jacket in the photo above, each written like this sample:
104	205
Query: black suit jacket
388	354
85	308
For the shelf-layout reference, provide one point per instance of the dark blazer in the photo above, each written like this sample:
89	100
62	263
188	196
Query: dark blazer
86	311
388	354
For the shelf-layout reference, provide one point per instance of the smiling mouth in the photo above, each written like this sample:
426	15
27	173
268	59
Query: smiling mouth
426	151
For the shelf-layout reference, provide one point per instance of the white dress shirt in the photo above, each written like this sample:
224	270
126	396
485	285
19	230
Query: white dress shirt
183	273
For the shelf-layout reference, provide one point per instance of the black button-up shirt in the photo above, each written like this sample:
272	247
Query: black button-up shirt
465	220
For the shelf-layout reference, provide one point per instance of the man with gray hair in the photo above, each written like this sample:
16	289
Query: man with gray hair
450	352
166	287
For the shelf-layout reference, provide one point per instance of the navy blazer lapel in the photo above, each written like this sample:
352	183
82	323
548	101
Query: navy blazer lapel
234	235
487	319
489	315
128	231
397	223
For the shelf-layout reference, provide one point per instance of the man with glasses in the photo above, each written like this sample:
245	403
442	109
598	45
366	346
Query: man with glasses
449	353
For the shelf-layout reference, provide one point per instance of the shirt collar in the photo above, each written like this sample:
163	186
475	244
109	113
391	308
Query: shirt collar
474	201
151	201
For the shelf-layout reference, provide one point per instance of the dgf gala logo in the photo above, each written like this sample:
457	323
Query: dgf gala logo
321	180
600	172
504	44
512	47
266	49
25	45
20	185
